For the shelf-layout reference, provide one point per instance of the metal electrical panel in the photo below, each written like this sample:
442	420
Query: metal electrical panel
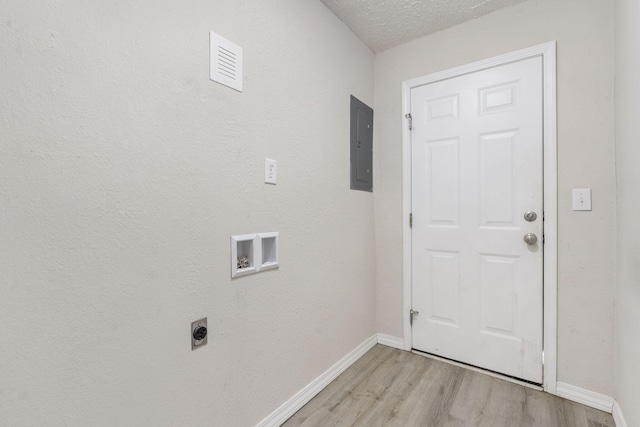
361	146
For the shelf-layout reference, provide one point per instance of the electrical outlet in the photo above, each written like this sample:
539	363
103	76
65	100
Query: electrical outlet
270	171
199	333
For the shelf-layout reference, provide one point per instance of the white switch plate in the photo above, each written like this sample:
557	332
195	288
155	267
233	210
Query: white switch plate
581	199
270	171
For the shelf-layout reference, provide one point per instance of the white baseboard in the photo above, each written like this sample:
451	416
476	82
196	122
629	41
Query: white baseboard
586	397
391	341
618	418
297	401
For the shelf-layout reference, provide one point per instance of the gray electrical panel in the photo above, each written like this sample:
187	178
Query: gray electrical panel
361	146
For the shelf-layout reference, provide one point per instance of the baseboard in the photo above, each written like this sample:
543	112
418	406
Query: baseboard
586	397
297	401
391	341
618	418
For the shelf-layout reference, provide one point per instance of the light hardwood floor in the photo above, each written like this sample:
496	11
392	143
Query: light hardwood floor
390	387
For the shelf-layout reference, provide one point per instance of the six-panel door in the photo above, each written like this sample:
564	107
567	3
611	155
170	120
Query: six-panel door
477	168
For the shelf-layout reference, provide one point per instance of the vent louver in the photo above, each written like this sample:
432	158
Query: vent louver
226	62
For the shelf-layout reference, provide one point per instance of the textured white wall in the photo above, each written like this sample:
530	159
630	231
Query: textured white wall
123	173
584	32
628	180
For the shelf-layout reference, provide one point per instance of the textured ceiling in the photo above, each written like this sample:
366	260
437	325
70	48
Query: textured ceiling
382	24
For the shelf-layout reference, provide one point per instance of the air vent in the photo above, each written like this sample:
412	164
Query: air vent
226	62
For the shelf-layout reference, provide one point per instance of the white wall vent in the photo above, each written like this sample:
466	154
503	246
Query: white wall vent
225	62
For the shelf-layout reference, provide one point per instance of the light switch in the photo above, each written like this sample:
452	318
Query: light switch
270	171
581	199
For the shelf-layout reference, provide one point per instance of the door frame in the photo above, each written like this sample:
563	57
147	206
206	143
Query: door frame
550	190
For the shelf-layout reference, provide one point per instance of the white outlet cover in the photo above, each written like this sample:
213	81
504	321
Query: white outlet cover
581	199
270	171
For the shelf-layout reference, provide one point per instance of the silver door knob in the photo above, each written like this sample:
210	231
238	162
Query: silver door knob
530	216
530	238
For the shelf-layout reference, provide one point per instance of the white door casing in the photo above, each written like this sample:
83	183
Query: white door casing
476	154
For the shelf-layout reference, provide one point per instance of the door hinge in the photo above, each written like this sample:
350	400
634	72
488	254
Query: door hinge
408	117
410	220
412	313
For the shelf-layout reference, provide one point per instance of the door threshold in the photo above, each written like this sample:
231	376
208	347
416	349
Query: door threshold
493	374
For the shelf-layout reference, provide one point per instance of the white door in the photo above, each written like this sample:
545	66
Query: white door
477	168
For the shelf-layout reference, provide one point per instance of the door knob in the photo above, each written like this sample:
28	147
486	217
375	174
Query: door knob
530	216
530	238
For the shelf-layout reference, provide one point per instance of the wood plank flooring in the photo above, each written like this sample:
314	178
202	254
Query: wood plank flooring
390	387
